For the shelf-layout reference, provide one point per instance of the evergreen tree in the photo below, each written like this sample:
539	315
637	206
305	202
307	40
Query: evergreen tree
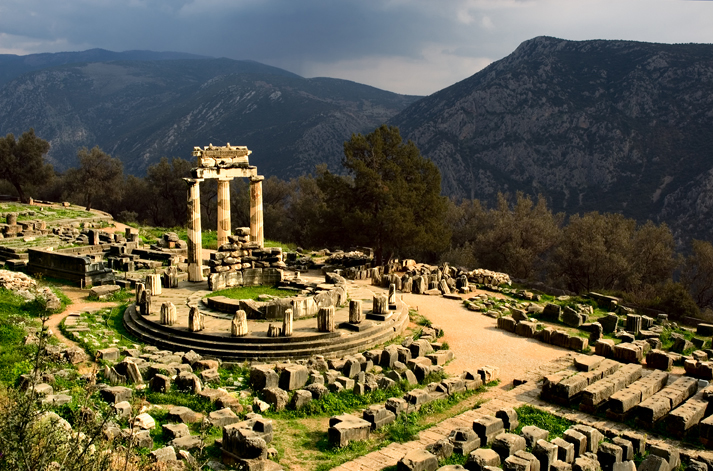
391	198
22	162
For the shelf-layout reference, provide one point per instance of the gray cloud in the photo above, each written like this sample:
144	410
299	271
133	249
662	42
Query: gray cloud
408	46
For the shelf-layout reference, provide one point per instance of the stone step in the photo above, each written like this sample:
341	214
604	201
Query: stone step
268	349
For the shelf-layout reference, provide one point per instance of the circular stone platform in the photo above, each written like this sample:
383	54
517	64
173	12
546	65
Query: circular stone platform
216	340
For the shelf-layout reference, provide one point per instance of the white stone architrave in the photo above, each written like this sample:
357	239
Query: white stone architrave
223	163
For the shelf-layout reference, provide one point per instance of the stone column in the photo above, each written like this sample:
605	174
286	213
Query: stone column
355	311
139	289
195	236
195	320
239	325
256	225
392	296
287	323
168	314
381	304
153	284
223	211
325	319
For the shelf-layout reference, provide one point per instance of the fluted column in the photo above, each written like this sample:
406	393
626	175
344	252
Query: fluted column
256	224
223	211
195	236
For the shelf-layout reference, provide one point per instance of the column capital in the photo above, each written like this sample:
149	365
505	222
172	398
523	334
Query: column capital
225	179
193	180
257	178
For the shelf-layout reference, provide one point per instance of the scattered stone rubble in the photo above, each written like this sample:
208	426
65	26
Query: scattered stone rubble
581	448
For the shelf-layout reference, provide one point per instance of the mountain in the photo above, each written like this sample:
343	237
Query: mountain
141	110
12	66
615	126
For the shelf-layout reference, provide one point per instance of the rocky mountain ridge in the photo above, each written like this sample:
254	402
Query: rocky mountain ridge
614	126
141	110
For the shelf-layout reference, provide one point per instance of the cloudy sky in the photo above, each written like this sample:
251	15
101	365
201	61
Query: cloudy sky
406	46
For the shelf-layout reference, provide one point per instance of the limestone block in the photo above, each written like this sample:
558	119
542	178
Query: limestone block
571	317
487	428
627	465
668	453
509	418
628	353
529	457
480	459
560	466
464	440
189	442
526	329
144	421
594	436
546	453
300	399
183	415
585	463
418	460
317	390
578	439
552	311
186	381
604	347
378	416
165	454
293	377
565	450
609	322
116	394
507	323
276	397
608	454
175	430
418	397
704	330
263	376
123	409
683	418
506	444
346	428
223	417
627	448
533	434
108	354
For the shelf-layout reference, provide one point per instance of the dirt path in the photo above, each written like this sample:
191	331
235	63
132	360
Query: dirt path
79	304
476	341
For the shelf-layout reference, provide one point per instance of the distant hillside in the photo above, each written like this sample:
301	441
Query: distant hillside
12	66
593	125
142	110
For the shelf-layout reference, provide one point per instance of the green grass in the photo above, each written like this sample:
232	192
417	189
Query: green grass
333	457
46	214
15	315
179	398
251	292
120	296
286	246
105	326
528	415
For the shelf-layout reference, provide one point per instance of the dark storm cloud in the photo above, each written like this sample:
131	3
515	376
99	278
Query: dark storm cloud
410	46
